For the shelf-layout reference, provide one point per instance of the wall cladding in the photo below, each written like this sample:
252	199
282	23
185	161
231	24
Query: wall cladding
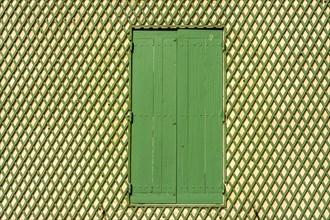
64	101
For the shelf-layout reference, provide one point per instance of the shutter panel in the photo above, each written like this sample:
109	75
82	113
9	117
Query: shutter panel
153	141
176	140
199	116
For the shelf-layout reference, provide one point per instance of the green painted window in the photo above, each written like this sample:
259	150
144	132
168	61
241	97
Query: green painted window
176	131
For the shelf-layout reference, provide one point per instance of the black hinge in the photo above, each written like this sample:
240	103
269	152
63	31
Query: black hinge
224	189
132	47
130	187
130	116
223	46
223	116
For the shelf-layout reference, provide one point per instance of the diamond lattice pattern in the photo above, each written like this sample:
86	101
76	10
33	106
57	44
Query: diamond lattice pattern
64	88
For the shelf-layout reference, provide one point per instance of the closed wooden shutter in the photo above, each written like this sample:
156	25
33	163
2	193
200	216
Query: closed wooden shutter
199	116
153	157
176	138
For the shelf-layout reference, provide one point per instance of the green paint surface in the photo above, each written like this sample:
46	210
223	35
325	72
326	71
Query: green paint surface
176	142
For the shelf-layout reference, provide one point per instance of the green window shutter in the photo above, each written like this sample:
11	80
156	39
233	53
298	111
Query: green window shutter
200	159
153	158
176	141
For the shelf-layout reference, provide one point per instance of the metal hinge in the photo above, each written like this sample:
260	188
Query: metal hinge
223	116
132	47
224	46
130	116
224	189
130	187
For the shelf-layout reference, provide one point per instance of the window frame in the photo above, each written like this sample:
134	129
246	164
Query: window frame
130	118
